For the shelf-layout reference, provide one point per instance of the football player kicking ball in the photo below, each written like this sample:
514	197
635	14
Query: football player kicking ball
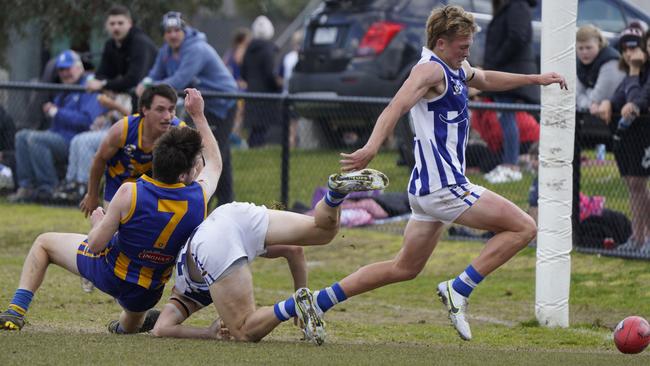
213	267
439	192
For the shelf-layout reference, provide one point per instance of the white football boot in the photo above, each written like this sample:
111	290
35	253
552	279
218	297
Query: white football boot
312	324
457	306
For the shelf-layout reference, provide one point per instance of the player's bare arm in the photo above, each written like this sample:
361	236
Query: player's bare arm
109	147
489	80
174	313
295	259
209	176
425	80
105	225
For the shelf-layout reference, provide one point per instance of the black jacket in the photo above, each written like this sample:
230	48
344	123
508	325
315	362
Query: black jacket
123	67
258	67
508	46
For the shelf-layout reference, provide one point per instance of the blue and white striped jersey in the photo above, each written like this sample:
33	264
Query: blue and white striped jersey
441	133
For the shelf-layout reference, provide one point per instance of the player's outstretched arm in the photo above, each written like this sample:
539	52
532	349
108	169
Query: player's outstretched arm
209	176
109	147
489	80
423	77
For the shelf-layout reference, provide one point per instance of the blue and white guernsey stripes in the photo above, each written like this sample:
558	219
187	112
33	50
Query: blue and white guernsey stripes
441	133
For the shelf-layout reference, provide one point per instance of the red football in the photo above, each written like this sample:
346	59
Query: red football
632	334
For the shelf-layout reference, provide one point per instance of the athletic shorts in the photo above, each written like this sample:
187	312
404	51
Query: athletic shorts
198	292
130	296
232	231
446	204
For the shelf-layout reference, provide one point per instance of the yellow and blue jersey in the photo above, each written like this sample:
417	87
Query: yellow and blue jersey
161	218
131	160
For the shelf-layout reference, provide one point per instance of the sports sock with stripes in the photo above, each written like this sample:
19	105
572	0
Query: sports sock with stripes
465	283
285	310
334	199
329	296
20	303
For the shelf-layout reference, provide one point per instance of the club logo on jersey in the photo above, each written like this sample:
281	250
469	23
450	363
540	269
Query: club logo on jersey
156	257
129	149
457	87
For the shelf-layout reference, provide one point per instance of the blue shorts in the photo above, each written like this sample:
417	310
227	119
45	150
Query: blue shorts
130	296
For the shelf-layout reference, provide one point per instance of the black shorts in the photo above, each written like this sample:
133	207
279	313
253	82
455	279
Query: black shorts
632	151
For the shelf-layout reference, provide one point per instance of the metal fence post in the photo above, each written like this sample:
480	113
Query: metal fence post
284	176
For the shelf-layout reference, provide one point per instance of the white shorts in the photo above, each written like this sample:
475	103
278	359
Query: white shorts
446	204
232	231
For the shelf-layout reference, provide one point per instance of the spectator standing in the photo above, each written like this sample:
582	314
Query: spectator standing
186	60
127	56
508	48
289	62
597	69
259	72
632	134
38	152
233	59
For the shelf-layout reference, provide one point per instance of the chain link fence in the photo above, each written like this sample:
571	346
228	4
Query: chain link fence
285	146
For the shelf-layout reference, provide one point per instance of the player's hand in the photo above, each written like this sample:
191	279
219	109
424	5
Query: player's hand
88	204
357	160
97	216
593	109
219	331
194	103
553	78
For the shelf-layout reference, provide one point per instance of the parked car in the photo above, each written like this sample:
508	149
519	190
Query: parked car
368	47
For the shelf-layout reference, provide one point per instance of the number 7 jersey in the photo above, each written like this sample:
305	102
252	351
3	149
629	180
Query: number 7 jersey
161	218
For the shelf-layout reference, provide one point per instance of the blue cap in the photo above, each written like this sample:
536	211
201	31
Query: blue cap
67	59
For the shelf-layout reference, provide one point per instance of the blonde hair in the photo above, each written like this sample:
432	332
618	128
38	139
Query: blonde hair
447	22
590	31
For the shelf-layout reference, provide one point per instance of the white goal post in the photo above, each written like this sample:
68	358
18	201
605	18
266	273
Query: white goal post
554	238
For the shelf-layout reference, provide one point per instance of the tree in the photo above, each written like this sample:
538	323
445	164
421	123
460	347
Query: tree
77	18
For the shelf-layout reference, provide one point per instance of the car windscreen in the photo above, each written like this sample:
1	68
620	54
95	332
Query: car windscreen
356	5
418	8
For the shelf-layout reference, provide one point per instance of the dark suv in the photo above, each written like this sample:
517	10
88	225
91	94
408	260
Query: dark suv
368	47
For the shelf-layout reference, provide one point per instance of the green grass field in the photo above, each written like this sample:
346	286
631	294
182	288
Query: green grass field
401	324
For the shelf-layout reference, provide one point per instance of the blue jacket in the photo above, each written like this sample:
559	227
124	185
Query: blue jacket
77	111
197	66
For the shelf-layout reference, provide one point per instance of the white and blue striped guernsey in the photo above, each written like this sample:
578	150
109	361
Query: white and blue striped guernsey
441	132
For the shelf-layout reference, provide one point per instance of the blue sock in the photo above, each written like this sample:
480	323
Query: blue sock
285	310
329	296
465	283
334	199
20	303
